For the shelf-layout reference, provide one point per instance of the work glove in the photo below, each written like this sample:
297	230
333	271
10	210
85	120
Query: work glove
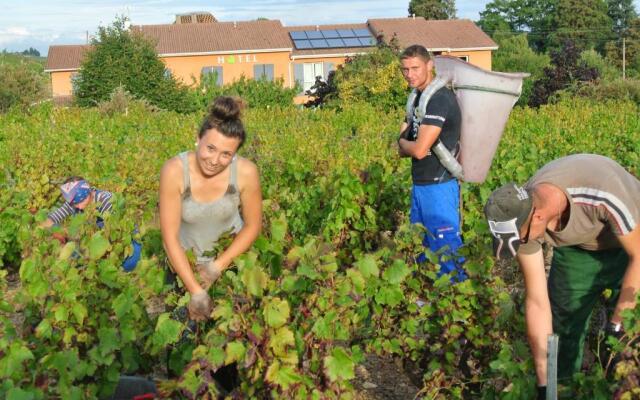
200	306
60	237
209	273
542	393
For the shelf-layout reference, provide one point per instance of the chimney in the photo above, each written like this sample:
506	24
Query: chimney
235	24
196	17
317	27
414	16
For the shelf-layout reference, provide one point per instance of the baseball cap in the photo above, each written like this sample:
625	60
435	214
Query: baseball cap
507	209
75	191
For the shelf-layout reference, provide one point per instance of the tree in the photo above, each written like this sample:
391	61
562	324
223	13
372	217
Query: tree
433	9
494	23
513	13
633	47
584	22
120	57
626	25
622	13
534	17
515	55
31	52
565	70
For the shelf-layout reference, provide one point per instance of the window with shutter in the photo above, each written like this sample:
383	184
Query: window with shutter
212	73
263	71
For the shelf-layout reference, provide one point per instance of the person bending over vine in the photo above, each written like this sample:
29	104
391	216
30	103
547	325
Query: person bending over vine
204	194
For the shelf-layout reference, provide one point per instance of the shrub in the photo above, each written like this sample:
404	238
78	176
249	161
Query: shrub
258	93
633	70
21	85
120	101
322	91
566	70
618	89
373	77
593	59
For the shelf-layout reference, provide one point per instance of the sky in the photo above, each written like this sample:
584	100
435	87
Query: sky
40	23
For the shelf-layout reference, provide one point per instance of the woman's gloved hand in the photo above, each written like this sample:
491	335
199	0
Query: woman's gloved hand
209	273
200	306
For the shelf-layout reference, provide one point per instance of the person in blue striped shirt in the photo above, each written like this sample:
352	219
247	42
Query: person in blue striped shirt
78	195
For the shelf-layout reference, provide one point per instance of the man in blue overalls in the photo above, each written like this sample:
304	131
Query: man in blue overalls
435	198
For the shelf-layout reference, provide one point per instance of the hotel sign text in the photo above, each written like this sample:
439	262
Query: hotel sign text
238	59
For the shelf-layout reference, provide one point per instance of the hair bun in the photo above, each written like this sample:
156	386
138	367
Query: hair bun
226	108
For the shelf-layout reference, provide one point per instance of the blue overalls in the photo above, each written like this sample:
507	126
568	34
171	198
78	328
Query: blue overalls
437	207
435	195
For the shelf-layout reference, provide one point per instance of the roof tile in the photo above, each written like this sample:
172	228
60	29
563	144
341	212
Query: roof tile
432	34
217	36
65	57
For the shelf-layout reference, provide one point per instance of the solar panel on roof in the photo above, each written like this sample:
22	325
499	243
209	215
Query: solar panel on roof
319	43
366	41
362	32
346	33
335	43
352	42
332	38
314	34
297	35
330	34
302	44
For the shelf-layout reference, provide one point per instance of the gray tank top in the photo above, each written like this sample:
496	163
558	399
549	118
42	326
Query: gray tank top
203	223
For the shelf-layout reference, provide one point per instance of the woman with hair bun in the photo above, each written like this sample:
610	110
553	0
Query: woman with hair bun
206	193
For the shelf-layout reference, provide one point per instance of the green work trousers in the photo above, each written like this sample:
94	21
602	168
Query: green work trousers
576	281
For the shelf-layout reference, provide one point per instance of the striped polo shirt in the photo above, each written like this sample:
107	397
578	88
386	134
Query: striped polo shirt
103	203
604	200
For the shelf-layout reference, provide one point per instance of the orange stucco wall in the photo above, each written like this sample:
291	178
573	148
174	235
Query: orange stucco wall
188	69
480	59
234	66
336	60
61	83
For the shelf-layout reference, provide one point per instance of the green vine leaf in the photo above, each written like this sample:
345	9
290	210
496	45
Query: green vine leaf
276	312
339	365
98	246
368	266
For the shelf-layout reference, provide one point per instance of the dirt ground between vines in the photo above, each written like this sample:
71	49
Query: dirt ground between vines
381	378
